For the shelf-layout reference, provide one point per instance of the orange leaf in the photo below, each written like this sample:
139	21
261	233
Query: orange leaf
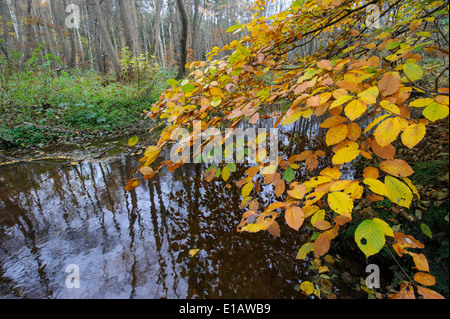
311	162
254	118
390	83
420	261
354	131
396	168
333	121
132	184
298	192
322	224
371	172
424	278
428	293
209	175
294	217
386	152
322	244
325	64
406	292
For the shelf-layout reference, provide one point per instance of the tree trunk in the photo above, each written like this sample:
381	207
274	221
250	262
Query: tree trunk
3	11
128	25
112	55
73	48
183	39
28	33
56	16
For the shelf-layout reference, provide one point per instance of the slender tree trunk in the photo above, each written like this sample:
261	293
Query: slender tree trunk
183	39
28	33
127	23
112	55
58	24
156	28
195	31
73	47
3	11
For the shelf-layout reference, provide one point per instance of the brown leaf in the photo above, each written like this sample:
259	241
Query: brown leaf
387	152
322	244
389	84
274	229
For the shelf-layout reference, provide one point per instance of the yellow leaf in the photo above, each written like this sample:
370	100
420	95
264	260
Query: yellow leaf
346	154
215	91
340	203
411	185
355	109
421	102
384	227
193	252
375	122
152	153
307	287
413	134
341	100
376	186
398	192
336	134
304	250
133	141
370	95
269	169
319	215
247	189
387	131
435	111
390	107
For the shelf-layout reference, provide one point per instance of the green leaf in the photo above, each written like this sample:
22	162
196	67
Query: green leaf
413	71
304	250
133	141
369	235
231	167
234	27
187	88
426	230
172	82
392	45
289	174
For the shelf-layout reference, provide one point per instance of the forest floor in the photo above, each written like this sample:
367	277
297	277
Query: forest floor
39	109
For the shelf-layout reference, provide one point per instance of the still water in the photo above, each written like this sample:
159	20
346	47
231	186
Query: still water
136	244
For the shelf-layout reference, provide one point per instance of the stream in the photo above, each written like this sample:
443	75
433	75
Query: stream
136	244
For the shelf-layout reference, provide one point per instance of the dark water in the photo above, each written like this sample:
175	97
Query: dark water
135	244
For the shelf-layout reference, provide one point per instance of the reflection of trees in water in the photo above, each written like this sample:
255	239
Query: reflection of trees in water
135	244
